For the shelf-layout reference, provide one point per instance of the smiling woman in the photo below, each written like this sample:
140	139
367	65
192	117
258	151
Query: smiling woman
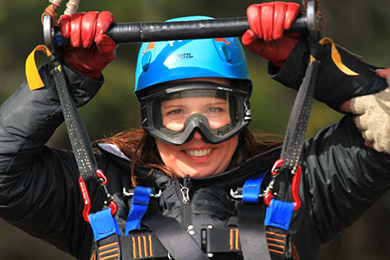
197	158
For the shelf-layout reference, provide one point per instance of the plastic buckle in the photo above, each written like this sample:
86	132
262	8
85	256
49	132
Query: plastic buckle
294	185
87	201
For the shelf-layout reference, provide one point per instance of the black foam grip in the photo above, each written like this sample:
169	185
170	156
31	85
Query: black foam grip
198	29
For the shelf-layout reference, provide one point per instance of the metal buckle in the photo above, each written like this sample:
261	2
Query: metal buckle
130	193
237	194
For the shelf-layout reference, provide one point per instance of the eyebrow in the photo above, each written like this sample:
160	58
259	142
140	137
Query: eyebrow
170	106
181	106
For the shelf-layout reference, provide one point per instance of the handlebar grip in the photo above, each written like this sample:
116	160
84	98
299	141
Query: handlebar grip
165	31
199	29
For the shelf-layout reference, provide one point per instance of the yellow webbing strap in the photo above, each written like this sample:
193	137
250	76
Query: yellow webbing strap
32	75
337	58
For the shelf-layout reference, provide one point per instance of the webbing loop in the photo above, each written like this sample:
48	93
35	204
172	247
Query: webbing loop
252	188
139	206
279	214
103	224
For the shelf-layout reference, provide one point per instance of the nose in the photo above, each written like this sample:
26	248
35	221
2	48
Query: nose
197	136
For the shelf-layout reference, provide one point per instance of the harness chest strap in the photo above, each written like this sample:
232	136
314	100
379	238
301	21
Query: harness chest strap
145	245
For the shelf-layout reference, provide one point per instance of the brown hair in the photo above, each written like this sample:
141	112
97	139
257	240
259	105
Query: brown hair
141	148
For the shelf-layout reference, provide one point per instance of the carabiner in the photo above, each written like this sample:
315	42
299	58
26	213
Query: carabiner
101	175
87	200
294	186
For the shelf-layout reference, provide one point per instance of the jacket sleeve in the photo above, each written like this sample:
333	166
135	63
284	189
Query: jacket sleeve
342	177
38	185
333	86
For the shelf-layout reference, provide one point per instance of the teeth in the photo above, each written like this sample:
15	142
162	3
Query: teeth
198	153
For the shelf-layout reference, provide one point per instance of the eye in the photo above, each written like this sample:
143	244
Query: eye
175	112
215	109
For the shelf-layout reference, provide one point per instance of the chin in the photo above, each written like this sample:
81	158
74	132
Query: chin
200	173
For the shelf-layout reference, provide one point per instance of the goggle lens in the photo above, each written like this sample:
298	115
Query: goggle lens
171	111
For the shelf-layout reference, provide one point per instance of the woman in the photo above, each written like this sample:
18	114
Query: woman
196	148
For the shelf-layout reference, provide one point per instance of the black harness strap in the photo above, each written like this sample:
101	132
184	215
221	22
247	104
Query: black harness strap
252	231
142	245
174	237
222	240
278	245
108	248
179	244
77	132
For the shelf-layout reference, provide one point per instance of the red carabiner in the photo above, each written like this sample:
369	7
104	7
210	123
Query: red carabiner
87	200
294	186
100	174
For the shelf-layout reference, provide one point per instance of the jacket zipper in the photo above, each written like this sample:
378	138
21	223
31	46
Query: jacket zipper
186	211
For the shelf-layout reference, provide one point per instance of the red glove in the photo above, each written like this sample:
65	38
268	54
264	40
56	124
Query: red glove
266	37
92	50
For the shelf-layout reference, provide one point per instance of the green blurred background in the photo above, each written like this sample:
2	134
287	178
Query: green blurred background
359	25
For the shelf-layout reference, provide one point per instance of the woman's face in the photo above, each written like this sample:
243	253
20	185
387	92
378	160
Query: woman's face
196	157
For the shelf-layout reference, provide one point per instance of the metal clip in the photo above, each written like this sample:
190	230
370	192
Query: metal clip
129	193
186	195
294	186
236	194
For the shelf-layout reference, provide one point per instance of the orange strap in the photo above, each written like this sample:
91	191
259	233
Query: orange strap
337	58
32	75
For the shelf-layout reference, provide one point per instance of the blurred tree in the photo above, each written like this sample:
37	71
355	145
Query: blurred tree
360	25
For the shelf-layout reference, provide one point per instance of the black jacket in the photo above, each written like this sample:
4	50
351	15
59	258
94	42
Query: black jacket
39	185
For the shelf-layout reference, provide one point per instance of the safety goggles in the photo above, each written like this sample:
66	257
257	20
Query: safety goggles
174	113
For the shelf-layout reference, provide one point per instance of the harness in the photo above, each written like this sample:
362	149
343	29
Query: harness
254	232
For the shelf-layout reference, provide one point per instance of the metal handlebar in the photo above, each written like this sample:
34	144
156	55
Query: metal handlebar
180	30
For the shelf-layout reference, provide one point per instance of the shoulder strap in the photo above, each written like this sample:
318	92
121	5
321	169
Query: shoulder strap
252	232
251	221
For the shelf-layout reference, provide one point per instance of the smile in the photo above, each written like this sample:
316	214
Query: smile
198	153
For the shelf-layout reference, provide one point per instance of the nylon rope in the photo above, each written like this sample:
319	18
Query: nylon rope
71	8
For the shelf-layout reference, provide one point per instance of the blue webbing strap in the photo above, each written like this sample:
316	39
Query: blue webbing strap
103	224
106	234
277	220
139	205
252	188
279	214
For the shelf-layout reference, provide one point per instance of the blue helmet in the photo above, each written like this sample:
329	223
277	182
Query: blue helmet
165	61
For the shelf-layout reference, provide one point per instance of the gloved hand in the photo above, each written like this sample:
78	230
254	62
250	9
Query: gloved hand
373	116
91	49
266	36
